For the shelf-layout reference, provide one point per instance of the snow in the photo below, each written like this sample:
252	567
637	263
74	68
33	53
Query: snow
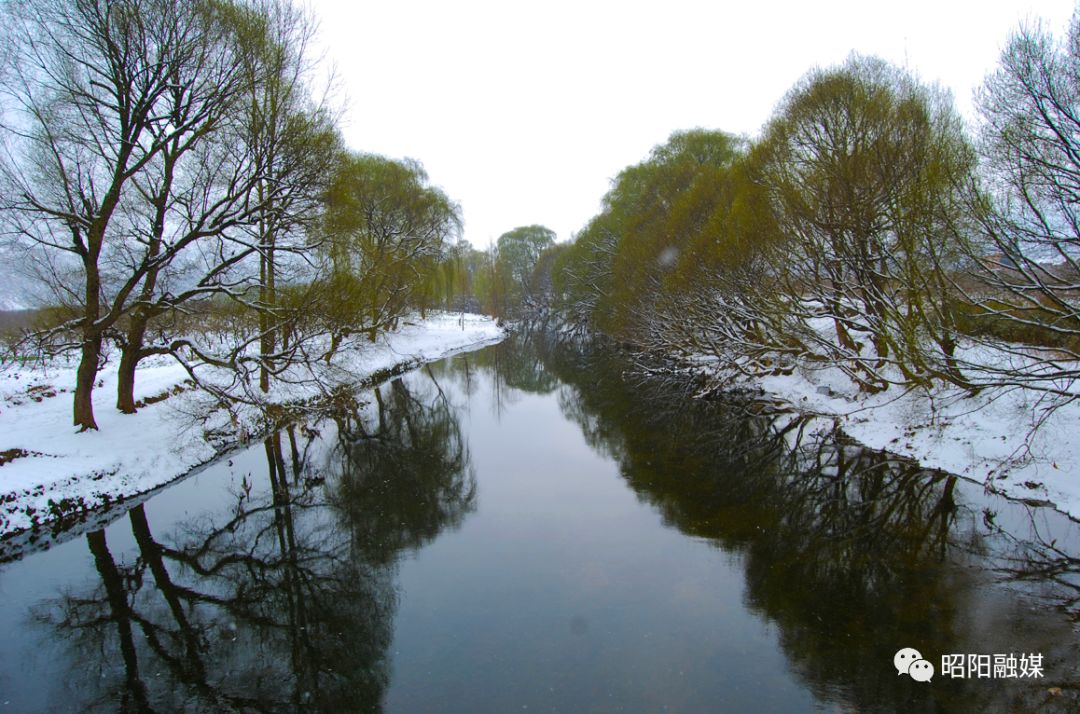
990	438
50	470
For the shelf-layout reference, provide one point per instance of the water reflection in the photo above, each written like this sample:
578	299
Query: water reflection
1043	557
512	368
405	472
284	595
851	552
284	601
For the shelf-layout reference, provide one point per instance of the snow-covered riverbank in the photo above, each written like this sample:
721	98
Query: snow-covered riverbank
990	437
48	470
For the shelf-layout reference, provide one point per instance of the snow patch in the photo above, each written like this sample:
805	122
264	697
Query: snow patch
53	472
990	437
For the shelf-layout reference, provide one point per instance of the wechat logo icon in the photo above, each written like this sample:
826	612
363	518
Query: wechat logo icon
908	661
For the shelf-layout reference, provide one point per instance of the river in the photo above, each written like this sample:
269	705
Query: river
532	527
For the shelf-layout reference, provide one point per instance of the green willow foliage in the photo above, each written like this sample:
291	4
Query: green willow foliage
831	238
867	171
653	213
516	255
388	235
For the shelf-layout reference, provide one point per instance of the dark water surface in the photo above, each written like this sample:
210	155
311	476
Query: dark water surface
524	528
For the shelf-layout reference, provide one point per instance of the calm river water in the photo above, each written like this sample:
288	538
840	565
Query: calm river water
529	528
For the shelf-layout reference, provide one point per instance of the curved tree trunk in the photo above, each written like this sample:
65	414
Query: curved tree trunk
125	386
84	384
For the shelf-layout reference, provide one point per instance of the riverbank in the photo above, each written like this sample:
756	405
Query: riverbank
1006	439
49	472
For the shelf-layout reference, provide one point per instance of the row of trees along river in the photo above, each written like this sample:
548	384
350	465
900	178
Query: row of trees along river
173	181
866	228
173	170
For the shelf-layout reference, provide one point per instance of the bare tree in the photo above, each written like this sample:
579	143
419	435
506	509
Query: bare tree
294	144
98	93
158	152
1030	260
260	189
195	196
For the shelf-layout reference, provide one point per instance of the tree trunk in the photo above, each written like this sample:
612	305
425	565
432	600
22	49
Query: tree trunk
335	342
84	384
268	297
373	331
125	386
91	340
130	354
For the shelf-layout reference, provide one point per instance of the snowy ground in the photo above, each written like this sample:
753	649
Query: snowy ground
47	470
988	438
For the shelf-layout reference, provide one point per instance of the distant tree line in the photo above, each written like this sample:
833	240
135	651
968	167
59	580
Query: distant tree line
864	229
173	176
510	280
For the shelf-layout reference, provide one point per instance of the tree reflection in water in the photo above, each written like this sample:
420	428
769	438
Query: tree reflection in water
514	366
851	552
285	601
405	471
1044	557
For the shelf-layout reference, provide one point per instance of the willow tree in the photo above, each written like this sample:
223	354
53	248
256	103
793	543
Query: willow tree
386	230
518	251
289	131
866	170
650	215
716	298
152	147
581	275
194	199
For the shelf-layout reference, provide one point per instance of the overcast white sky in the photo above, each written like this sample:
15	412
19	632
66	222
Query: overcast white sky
524	112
